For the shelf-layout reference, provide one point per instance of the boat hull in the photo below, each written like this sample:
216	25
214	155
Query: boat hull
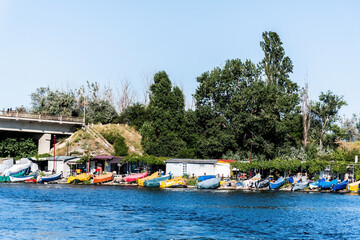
354	187
300	186
103	178
340	186
206	177
22	178
327	185
134	177
156	181
141	181
209	184
277	184
51	178
263	184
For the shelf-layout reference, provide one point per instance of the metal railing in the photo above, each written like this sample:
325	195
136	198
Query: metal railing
14	114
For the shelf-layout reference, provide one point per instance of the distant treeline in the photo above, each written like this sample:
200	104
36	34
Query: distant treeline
238	106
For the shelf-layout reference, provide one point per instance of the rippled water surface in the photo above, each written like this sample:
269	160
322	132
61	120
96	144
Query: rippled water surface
34	211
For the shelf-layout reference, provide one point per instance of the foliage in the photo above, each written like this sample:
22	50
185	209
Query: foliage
134	115
120	147
18	148
113	136
325	113
43	155
46	101
146	159
191	181
235	106
162	132
84	159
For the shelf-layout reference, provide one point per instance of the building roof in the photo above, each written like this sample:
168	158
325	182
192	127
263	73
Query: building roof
198	161
103	157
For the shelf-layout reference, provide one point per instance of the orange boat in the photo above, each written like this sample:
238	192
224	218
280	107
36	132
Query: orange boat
103	178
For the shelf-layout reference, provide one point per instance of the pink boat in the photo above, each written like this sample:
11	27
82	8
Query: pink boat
133	178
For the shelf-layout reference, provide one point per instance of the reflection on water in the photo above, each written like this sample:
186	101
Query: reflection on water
109	212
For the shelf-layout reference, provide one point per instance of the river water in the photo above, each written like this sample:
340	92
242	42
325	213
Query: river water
36	211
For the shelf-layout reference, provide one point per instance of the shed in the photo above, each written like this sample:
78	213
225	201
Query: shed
198	167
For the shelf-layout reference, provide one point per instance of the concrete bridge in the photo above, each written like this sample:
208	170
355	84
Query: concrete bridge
41	126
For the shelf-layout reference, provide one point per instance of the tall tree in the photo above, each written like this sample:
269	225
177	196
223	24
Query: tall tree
325	113
46	101
162	133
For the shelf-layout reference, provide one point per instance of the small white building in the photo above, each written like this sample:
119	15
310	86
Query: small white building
198	167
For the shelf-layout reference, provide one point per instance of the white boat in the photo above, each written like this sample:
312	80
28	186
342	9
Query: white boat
16	169
300	186
23	178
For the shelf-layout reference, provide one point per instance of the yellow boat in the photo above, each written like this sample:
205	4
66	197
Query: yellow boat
81	177
175	182
152	176
354	187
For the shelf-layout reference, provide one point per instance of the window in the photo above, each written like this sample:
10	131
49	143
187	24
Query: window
184	168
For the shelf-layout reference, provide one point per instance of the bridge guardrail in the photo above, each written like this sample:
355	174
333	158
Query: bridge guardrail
15	114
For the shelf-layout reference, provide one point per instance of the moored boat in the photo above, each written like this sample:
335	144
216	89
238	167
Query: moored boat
50	178
134	177
103	178
327	185
7	178
278	183
209	183
15	169
340	186
141	181
205	177
79	178
155	182
263	184
300	186
353	187
177	182
23	178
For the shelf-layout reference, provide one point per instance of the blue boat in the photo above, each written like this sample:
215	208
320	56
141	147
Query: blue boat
340	186
155	182
209	183
278	183
51	178
316	184
327	185
206	177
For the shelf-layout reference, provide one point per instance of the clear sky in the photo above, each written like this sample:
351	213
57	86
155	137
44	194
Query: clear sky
62	44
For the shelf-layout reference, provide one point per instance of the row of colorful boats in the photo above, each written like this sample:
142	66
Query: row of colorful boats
156	180
321	184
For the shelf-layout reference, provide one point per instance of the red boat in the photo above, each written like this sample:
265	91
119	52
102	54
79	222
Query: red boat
31	181
134	177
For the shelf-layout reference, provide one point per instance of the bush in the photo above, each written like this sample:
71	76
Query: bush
120	147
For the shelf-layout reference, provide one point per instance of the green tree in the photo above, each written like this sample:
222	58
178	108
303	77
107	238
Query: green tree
162	132
235	103
18	148
325	113
134	115
99	108
46	101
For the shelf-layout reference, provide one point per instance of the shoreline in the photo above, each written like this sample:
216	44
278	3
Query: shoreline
287	189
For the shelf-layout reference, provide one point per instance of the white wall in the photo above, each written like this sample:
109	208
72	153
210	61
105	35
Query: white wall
175	168
223	169
200	169
60	166
5	164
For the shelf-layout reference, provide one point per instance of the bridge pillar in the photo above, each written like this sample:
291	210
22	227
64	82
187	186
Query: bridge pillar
44	143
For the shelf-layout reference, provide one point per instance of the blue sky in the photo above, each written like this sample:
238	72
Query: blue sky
63	44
